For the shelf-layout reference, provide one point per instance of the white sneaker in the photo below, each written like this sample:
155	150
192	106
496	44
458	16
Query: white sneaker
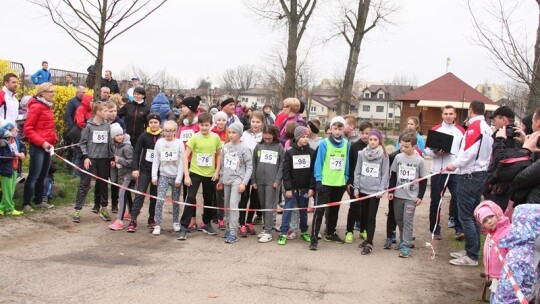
260	234
176	226
291	235
464	261
157	230
265	238
458	254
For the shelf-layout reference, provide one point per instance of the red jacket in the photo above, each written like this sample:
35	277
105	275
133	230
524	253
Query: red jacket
39	126
84	112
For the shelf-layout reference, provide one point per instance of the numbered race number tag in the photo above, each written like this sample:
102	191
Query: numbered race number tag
149	155
169	154
337	163
369	169
185	135
231	161
269	157
100	137
301	161
406	172
204	160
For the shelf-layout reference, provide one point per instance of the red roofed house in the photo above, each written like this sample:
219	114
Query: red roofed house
426	101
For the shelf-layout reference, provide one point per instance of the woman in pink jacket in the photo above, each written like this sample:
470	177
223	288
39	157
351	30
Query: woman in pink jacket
496	225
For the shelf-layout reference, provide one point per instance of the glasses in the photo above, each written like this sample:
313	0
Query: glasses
169	131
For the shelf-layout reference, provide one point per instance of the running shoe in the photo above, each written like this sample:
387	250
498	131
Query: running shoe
104	214
305	237
349	237
132	227
117	225
76	216
334	238
221	225
242	232
282	240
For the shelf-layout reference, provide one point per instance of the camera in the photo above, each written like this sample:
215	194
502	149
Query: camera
510	132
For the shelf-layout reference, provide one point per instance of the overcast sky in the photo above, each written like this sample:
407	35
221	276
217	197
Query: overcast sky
194	38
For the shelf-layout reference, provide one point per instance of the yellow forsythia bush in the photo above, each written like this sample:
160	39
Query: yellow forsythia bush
61	97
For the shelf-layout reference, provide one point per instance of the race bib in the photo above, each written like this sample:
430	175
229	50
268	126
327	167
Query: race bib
369	169
149	155
231	161
301	161
337	163
406	172
100	137
185	135
169	154
204	160
269	157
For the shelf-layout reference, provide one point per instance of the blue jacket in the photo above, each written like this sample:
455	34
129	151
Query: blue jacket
72	106
41	76
161	105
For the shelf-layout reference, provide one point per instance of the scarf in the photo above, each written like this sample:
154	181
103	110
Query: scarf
335	140
45	102
373	154
149	131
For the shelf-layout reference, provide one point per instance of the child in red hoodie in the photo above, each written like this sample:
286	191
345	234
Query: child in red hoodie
496	225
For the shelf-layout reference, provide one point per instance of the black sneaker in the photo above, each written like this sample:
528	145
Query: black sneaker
313	244
334	238
96	209
182	235
209	229
363	244
367	249
257	220
114	209
132	227
388	244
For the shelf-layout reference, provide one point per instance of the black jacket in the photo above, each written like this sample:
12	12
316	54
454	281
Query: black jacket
353	157
134	116
146	141
298	178
111	84
526	185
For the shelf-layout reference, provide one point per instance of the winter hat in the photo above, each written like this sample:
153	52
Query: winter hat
220	115
153	115
377	134
225	100
336	120
483	212
7	126
116	129
213	111
237	127
191	103
313	127
299	132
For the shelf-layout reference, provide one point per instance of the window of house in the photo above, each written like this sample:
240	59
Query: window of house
412	105
390	125
390	115
244	99
365	108
367	94
313	109
376	124
380	109
390	105
380	95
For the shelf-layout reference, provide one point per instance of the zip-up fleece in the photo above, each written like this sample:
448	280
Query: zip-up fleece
244	167
93	150
146	141
301	178
267	173
124	151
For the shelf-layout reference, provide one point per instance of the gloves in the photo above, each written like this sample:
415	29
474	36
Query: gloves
319	187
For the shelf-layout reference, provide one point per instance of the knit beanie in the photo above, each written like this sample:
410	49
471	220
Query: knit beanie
237	127
220	115
299	132
482	213
226	100
377	134
191	103
116	129
153	115
337	119
213	111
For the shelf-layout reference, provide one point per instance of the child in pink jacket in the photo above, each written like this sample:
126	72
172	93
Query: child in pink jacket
496	225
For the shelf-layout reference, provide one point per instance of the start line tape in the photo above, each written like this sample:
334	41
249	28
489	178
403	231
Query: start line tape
331	204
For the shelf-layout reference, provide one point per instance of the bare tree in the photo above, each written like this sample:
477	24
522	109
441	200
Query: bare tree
507	46
516	98
243	78
353	28
204	83
95	23
295	14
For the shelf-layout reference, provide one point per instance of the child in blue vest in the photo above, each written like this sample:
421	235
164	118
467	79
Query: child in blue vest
331	175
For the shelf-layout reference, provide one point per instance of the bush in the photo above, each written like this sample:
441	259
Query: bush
62	96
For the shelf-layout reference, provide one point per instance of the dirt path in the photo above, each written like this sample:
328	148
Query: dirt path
48	259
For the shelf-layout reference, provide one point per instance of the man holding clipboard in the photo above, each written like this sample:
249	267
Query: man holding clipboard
443	146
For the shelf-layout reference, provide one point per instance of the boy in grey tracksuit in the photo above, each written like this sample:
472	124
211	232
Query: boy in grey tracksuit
97	152
236	168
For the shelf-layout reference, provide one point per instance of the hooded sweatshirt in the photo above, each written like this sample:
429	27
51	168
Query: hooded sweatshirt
96	141
298	164
524	231
124	151
371	175
236	164
84	112
267	164
492	264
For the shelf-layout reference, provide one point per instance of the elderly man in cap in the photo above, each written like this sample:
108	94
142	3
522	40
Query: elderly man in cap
228	106
507	140
136	81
